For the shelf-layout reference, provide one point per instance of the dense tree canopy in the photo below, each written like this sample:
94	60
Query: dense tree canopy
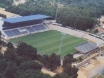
30	65
67	66
80	14
2	15
10	70
4	3
53	61
31	74
77	18
68	59
10	54
27	51
13	65
10	45
62	75
33	7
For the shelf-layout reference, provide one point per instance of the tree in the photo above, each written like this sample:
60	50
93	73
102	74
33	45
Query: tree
67	66
30	65
41	7
21	49
62	75
1	56
19	60
43	59
71	71
9	54
68	59
74	72
77	17
10	45
2	15
3	65
96	31
10	70
53	61
68	69
31	74
27	51
1	76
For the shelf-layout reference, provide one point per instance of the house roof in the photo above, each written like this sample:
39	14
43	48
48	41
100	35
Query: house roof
26	18
86	47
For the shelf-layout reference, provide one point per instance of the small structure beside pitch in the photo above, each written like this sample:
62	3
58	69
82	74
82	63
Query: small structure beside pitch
89	51
87	48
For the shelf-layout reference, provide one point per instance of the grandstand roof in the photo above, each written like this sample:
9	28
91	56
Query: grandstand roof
86	47
26	18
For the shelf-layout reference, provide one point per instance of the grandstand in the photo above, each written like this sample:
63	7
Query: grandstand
87	48
19	26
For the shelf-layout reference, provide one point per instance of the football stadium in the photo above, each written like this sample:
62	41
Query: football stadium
32	30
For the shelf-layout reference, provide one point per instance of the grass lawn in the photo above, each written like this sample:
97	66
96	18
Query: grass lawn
49	41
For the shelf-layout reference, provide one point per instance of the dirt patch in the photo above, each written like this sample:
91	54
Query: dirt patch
59	70
3	49
45	71
8	14
94	68
81	74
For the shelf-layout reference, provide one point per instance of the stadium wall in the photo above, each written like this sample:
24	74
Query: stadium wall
1	23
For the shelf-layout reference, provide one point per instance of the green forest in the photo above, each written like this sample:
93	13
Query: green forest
80	14
5	3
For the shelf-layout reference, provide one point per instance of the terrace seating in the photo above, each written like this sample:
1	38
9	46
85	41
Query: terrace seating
9	33
42	26
37	28
30	29
24	32
16	32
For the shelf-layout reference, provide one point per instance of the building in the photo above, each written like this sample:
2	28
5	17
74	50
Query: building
87	48
19	26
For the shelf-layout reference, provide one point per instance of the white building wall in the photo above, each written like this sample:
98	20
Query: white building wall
1	23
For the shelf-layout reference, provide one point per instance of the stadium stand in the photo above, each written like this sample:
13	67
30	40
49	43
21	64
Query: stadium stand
30	29
36	28
24	32
39	27
9	33
18	26
16	32
42	26
87	47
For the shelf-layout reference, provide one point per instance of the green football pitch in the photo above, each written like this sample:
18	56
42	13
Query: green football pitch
49	42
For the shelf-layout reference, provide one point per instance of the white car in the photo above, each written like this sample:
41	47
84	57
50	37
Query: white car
57	24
